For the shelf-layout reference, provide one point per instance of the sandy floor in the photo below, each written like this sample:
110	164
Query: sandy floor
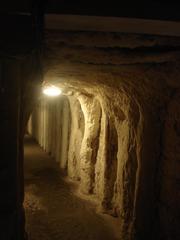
53	212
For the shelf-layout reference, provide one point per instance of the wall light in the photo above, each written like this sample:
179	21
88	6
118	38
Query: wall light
51	90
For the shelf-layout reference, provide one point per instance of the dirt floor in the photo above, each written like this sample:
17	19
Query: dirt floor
53	211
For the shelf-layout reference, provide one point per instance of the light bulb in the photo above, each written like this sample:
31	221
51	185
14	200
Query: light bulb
52	91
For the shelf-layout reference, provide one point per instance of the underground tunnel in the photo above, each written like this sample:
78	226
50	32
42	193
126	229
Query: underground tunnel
108	130
100	159
94	140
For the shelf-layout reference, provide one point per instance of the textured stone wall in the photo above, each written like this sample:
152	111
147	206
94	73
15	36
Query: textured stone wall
120	122
103	147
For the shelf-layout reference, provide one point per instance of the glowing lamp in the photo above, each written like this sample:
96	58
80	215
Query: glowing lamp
52	91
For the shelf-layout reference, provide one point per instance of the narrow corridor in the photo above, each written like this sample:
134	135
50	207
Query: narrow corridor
53	212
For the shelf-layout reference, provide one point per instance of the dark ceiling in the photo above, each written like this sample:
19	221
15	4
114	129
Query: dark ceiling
147	9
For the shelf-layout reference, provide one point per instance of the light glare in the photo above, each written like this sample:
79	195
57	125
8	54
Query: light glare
52	91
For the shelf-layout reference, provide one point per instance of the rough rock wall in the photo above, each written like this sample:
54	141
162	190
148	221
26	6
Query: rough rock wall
118	87
76	135
102	146
89	147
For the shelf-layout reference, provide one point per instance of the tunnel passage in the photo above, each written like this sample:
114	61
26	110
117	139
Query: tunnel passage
136	73
92	140
82	139
112	117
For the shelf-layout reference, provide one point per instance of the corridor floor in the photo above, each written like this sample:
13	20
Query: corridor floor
52	210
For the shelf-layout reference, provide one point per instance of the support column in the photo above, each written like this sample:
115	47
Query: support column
90	143
65	133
